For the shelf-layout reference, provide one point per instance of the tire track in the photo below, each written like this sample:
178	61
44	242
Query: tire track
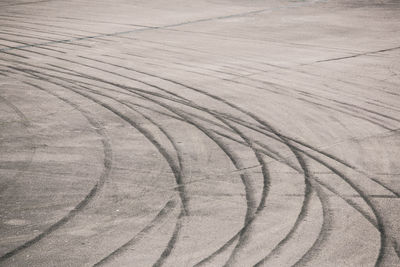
242	234
171	243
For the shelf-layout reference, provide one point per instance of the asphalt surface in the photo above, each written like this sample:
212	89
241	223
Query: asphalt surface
199	133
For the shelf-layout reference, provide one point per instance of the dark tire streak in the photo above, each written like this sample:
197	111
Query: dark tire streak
380	225
171	243
266	187
326	226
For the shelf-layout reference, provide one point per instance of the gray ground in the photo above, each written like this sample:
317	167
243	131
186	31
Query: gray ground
199	133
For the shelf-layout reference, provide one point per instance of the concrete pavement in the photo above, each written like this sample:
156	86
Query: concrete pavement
199	133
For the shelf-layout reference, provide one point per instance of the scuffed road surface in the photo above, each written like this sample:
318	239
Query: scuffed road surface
199	133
